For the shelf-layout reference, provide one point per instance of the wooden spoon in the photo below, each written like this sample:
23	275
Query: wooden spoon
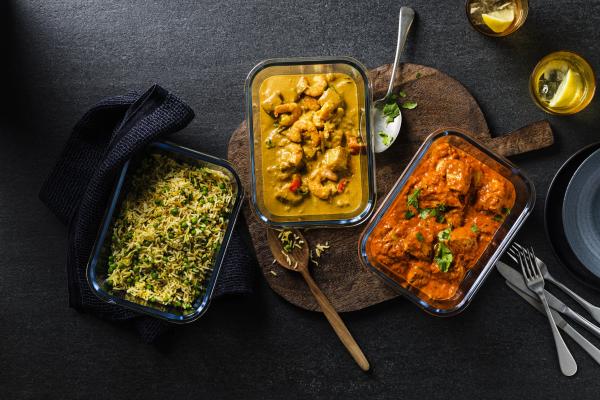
298	261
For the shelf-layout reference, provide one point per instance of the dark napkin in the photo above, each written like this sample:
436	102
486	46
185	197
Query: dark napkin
79	186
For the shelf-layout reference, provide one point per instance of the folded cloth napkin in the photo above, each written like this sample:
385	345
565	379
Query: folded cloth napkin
80	184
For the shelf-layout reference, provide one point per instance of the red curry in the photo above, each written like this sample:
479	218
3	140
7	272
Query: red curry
442	221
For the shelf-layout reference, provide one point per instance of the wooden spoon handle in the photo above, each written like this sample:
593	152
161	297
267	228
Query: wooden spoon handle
336	322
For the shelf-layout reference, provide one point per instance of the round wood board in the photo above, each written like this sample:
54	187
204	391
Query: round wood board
442	102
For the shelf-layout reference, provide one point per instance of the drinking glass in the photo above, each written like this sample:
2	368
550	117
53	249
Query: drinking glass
497	17
562	83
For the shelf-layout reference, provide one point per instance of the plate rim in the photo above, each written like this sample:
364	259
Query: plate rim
572	265
574	187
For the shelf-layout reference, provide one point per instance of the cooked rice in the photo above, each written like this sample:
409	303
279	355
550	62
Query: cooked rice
168	231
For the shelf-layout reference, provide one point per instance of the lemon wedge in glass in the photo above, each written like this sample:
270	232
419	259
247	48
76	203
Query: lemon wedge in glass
569	91
499	21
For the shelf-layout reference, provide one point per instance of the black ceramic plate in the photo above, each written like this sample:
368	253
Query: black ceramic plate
554	221
581	214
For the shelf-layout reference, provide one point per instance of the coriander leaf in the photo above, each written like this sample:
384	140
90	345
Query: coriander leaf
385	138
434	212
413	199
440	209
444	235
418	75
269	144
443	257
424	213
505	210
391	111
409	214
409	105
498	217
474	228
402	93
420	237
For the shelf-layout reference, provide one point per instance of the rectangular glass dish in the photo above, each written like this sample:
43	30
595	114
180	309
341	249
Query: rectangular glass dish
428	264
98	265
262	150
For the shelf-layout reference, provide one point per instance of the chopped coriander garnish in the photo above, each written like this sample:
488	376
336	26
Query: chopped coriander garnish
418	75
425	212
443	257
391	111
409	214
505	210
402	93
409	105
413	199
269	143
498	217
385	138
420	237
474	228
444	235
437	212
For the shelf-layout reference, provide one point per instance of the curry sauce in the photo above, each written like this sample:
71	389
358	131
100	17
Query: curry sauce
310	144
441	222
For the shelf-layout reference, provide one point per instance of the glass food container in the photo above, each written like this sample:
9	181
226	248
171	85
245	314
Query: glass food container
97	268
301	66
474	277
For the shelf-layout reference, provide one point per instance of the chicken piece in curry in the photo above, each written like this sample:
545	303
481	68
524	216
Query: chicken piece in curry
442	221
311	147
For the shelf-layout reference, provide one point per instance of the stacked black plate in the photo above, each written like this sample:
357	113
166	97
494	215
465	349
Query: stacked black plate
572	214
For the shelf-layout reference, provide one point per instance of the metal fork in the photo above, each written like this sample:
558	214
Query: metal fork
535	282
590	308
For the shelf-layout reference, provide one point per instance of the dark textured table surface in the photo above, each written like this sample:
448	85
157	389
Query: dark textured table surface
62	56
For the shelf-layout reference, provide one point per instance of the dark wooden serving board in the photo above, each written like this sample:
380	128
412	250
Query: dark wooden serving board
442	102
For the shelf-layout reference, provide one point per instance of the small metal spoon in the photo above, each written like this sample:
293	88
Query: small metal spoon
298	261
407	15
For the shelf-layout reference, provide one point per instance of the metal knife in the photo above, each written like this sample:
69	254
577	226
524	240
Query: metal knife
516	279
561	323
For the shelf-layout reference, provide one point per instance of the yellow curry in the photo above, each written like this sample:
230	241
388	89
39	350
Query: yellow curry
311	147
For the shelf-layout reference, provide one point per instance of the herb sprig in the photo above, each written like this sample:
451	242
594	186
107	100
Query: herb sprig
437	212
413	199
391	110
443	255
385	138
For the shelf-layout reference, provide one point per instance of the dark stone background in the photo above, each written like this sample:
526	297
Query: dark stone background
60	57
